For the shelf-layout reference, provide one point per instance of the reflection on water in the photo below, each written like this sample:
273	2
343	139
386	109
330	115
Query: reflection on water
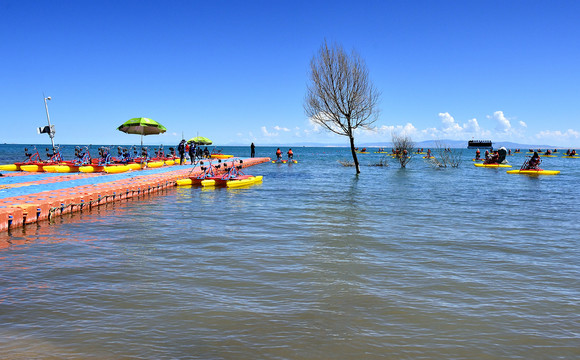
315	262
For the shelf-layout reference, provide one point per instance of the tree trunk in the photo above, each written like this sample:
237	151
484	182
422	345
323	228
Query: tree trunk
356	165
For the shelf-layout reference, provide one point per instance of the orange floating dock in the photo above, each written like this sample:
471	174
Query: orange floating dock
47	197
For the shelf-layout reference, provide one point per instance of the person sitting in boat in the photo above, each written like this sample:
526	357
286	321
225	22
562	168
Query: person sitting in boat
290	154
428	153
278	154
364	150
492	159
573	152
534	161
548	152
477	154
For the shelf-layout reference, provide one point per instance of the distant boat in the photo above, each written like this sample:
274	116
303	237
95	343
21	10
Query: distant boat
479	144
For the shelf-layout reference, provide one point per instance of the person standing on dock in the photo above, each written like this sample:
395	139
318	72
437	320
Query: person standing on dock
252	150
192	151
181	150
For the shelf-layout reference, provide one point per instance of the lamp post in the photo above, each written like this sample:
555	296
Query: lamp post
51	130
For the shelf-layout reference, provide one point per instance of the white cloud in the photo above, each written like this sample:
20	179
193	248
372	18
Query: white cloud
430	132
453	130
278	128
523	124
313	127
449	124
266	133
472	126
558	135
407	129
503	123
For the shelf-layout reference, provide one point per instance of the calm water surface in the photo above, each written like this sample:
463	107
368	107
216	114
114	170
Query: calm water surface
315	263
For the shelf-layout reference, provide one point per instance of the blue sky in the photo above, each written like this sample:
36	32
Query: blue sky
236	71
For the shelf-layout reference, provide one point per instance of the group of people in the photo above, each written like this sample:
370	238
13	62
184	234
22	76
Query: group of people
495	157
192	150
289	153
498	157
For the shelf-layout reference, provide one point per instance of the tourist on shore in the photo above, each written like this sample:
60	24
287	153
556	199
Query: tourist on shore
198	152
252	150
181	151
192	152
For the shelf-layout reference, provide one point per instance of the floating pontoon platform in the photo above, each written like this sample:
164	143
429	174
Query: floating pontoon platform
27	198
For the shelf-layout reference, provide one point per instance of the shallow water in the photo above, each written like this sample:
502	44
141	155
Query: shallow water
314	263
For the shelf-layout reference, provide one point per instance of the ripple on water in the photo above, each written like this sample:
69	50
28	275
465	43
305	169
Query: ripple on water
313	263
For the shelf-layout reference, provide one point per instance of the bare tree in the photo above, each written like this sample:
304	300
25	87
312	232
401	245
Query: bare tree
403	145
445	156
340	95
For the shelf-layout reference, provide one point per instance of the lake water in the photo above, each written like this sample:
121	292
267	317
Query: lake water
314	263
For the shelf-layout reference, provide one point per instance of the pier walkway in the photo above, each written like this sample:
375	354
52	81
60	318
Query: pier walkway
27	198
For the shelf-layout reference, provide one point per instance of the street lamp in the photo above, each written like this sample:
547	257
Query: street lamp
50	128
